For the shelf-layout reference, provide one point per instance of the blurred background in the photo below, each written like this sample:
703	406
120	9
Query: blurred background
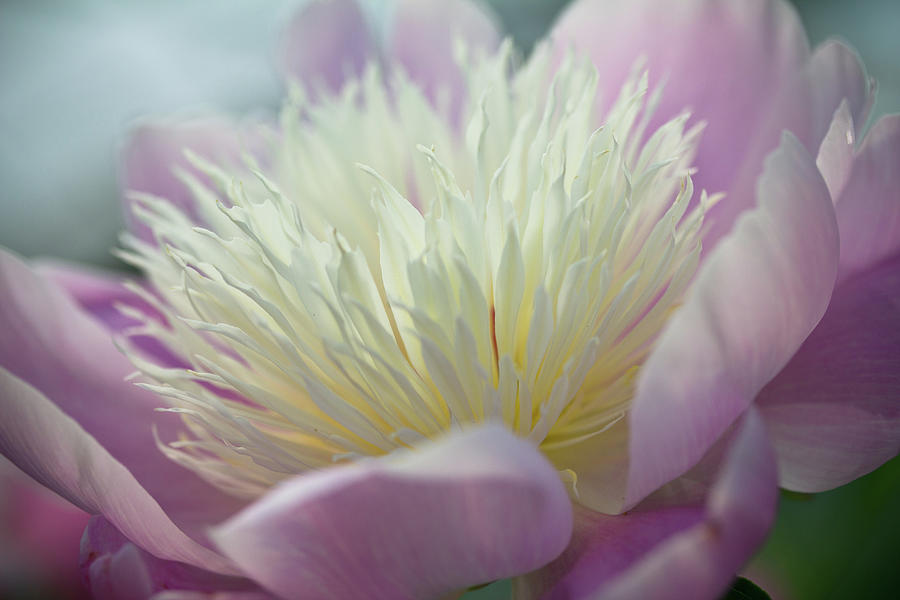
77	74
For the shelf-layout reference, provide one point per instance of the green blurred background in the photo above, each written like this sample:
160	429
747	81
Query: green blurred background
75	74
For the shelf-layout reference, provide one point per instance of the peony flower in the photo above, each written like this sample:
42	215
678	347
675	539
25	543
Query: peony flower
572	322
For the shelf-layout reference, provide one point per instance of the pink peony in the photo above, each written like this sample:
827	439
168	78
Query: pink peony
609	416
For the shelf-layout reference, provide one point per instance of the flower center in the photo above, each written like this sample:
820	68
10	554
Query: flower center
368	292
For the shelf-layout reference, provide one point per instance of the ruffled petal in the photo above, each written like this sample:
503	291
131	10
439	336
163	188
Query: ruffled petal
868	210
694	548
327	42
729	63
756	299
116	569
70	358
834	411
474	507
422	36
154	154
54	450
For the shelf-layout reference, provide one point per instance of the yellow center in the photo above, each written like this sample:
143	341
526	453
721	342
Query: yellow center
390	278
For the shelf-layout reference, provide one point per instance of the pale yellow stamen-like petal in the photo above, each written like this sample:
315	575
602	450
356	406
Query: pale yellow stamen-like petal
388	279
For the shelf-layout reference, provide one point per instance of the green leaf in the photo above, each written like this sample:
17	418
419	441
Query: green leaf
744	589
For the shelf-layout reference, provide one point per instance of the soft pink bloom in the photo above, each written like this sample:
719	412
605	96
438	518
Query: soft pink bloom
780	368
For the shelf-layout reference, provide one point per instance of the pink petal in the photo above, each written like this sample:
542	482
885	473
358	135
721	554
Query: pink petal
835	159
702	562
116	569
601	464
422	38
690	550
834	411
154	152
185	595
693	486
728	62
96	291
39	531
70	358
102	294
474	507
836	73
326	42
868	210
806	105
602	547
54	450
757	297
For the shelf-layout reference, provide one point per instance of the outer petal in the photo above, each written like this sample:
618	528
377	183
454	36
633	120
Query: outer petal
827	108
836	73
835	158
703	561
868	210
39	534
154	153
103	294
116	569
422	38
478	506
757	297
840	96
54	450
97	292
326	42
805	105
694	549
70	358
834	411
185	595
602	547
601	466
728	62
